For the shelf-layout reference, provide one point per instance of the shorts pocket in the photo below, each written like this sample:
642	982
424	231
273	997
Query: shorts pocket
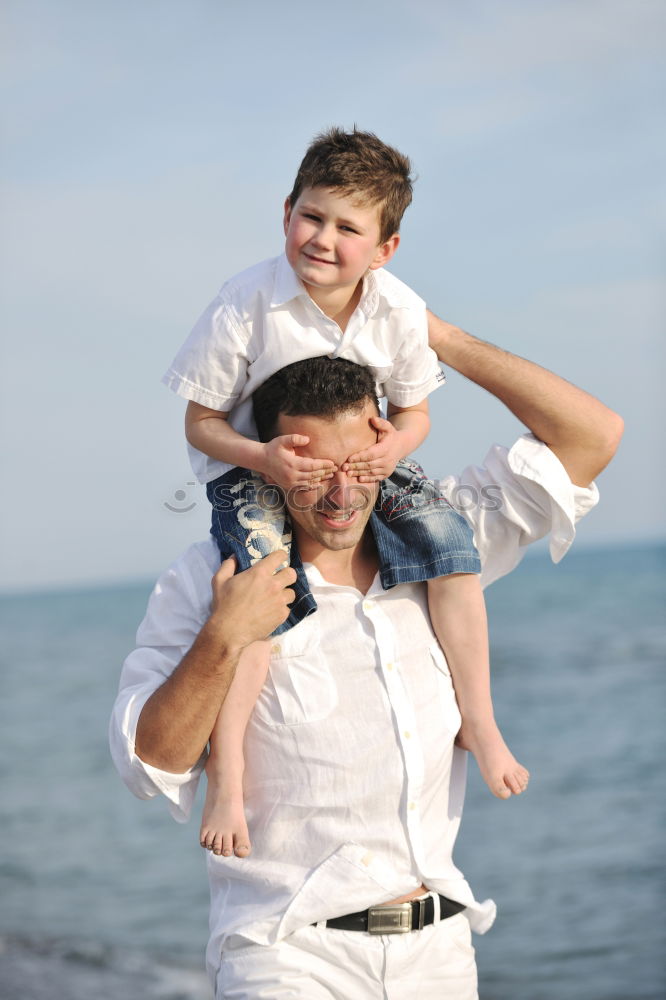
459	933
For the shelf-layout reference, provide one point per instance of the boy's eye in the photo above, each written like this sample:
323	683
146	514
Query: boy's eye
349	229
311	215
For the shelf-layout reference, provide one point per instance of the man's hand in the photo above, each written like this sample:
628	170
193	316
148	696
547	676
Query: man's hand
248	606
283	466
178	718
379	461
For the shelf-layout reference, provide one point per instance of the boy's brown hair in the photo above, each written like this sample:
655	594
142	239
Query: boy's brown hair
358	164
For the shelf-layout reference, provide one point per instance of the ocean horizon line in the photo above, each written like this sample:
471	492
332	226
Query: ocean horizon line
536	553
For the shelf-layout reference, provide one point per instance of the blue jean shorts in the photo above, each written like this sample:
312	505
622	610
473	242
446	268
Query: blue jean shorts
418	534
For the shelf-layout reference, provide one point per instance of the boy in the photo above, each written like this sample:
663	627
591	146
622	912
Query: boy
329	295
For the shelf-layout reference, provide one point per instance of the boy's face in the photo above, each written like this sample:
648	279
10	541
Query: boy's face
332	240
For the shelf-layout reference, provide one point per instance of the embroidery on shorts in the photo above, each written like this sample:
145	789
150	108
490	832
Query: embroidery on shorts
260	511
420	492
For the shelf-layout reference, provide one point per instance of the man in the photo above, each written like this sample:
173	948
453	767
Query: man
353	787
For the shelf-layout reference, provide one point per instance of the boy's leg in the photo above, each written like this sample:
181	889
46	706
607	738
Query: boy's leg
458	615
249	522
419	537
223	827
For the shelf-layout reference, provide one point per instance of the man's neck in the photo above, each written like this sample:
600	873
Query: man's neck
355	567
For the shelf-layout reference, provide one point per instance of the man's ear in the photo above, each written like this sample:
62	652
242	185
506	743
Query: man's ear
287	215
385	251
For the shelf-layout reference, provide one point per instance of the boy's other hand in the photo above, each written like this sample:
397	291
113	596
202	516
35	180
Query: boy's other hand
379	461
283	466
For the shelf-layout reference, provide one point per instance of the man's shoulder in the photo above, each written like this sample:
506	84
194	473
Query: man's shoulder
195	565
203	553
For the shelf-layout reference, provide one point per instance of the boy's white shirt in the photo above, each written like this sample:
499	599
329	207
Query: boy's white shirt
264	319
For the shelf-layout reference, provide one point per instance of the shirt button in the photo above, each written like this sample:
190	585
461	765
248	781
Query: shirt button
275	648
368	605
412	805
407	735
389	666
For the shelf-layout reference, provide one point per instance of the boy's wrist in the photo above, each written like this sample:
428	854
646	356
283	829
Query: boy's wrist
406	440
261	464
402	444
257	458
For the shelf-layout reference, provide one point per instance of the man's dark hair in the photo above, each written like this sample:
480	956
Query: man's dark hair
360	166
314	387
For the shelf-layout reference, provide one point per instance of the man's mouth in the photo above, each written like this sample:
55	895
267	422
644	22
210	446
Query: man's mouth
338	517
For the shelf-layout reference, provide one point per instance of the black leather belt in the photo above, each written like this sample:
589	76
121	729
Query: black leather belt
397	919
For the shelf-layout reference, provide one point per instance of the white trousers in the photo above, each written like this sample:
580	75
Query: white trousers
320	963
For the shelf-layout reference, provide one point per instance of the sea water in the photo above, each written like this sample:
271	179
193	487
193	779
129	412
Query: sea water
104	896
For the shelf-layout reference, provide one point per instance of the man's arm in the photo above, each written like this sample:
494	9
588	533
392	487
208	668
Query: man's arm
177	720
581	431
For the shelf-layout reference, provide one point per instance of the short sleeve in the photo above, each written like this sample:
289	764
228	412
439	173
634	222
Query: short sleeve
176	611
416	369
211	366
517	497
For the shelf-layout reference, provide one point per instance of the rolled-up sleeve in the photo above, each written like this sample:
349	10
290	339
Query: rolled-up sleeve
177	609
517	497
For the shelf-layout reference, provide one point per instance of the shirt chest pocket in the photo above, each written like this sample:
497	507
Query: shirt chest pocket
299	687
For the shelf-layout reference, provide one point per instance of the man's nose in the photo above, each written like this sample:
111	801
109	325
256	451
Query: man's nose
345	491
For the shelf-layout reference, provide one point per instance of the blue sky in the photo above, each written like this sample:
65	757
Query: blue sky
147	150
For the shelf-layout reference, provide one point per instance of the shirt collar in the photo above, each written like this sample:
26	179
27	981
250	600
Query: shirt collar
382	284
377	288
319	582
287	286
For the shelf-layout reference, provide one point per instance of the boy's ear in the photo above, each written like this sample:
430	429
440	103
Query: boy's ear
287	215
385	251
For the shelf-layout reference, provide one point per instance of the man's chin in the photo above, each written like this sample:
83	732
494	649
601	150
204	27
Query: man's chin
336	533
336	542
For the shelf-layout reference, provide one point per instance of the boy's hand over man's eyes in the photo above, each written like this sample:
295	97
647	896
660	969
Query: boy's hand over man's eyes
379	461
283	466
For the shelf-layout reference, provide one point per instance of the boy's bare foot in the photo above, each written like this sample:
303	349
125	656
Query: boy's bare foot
499	769
223	827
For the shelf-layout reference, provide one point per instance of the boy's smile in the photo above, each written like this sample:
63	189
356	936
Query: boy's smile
332	241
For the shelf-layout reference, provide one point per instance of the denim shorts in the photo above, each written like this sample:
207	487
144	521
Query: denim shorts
418	534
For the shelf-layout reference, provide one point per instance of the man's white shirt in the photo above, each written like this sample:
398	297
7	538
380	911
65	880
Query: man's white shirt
353	787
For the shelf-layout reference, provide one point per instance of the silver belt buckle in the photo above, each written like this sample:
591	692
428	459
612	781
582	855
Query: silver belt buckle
390	919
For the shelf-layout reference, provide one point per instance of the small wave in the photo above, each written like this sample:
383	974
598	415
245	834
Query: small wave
69	969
